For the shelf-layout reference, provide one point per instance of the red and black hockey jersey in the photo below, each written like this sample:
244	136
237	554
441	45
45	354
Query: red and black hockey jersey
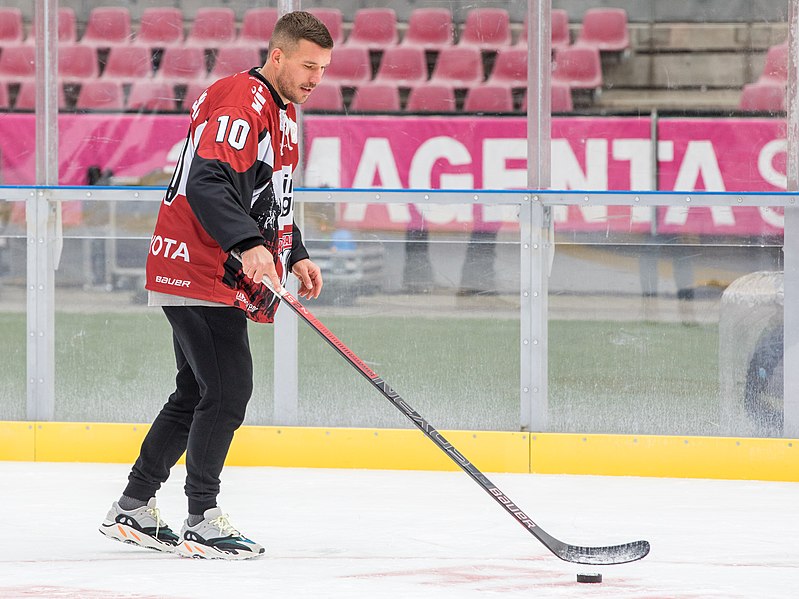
232	189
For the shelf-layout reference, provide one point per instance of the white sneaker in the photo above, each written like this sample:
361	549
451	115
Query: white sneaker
216	538
142	526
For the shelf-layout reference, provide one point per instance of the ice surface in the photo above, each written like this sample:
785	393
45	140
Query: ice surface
380	534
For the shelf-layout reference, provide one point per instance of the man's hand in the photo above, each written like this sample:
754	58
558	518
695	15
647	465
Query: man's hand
258	263
310	277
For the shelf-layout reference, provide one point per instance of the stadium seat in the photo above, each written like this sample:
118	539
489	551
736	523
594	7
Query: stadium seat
257	26
510	67
160	27
431	98
763	95
11	30
430	28
234	59
374	28
151	96
561	97
67	28
559	26
606	29
325	98
405	66
333	20
26	97
17	63
181	64
350	66
489	98
4	103
77	63
579	66
776	67
107	26
194	90
128	63
212	28
376	97
100	95
458	66
487	29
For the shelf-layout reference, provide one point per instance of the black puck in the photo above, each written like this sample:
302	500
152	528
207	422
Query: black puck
589	578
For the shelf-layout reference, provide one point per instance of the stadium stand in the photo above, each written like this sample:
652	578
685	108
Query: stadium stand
765	95
234	59
579	66
488	98
17	63
404	66
432	97
510	67
605	29
776	67
487	29
257	26
374	28
100	95
458	66
26	97
350	66
151	96
559	26
333	20
128	63
181	64
107	26
67	27
212	28
325	98
160	27
431	29
11	28
77	63
376	97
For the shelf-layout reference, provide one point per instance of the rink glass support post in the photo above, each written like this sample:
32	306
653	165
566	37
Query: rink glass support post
791	240
536	240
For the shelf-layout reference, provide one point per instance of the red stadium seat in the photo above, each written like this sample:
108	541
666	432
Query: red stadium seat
160	27
26	97
579	66
487	29
561	97
151	96
374	28
212	28
107	26
776	67
489	98
257	26
325	98
350	66
17	63
234	59
763	95
100	95
430	28
376	97
128	63
458	66
333	20
405	66
181	64
559	25
431	98
77	62
606	29
67	28
510	67
11	30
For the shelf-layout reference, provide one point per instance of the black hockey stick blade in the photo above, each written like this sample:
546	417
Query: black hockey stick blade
614	554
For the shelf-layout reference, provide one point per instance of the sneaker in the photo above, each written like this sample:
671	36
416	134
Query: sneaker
142	526
216	538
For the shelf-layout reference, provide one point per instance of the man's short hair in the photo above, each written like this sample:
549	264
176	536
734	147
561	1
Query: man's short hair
299	25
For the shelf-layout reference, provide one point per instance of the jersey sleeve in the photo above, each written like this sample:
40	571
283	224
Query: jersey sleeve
298	251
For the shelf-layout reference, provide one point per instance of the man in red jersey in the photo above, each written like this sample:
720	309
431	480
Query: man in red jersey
225	224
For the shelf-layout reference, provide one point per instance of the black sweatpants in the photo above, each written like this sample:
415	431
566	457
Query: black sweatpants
213	386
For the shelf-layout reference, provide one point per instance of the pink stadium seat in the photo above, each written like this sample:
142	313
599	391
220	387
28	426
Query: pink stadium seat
194	90
181	64
333	20
376	97
77	62
26	97
212	28
431	98
257	26
559	26
487	29
4	103
430	28
234	59
11	30
325	98
17	63
107	26
350	66
776	67
100	95
405	66
458	66
128	63
489	98
151	96
561	97
67	28
763	95
160	27
510	67
579	66
606	29
374	28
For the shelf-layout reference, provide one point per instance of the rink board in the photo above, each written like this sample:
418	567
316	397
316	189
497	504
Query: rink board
408	449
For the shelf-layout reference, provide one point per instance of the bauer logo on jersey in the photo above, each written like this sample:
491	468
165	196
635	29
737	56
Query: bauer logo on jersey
169	248
171	281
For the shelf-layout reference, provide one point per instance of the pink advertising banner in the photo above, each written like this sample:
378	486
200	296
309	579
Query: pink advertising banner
590	153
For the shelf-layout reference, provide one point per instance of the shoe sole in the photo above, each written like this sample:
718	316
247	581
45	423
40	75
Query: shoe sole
126	534
197	551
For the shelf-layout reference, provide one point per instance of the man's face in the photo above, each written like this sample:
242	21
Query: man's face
300	70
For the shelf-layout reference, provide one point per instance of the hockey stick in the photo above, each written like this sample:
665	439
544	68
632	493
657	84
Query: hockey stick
614	554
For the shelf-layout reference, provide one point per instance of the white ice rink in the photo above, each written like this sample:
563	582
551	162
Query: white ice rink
353	533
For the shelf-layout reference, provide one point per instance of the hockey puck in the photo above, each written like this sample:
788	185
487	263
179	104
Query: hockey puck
589	578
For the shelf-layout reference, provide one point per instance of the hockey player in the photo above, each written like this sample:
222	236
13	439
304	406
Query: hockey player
225	224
